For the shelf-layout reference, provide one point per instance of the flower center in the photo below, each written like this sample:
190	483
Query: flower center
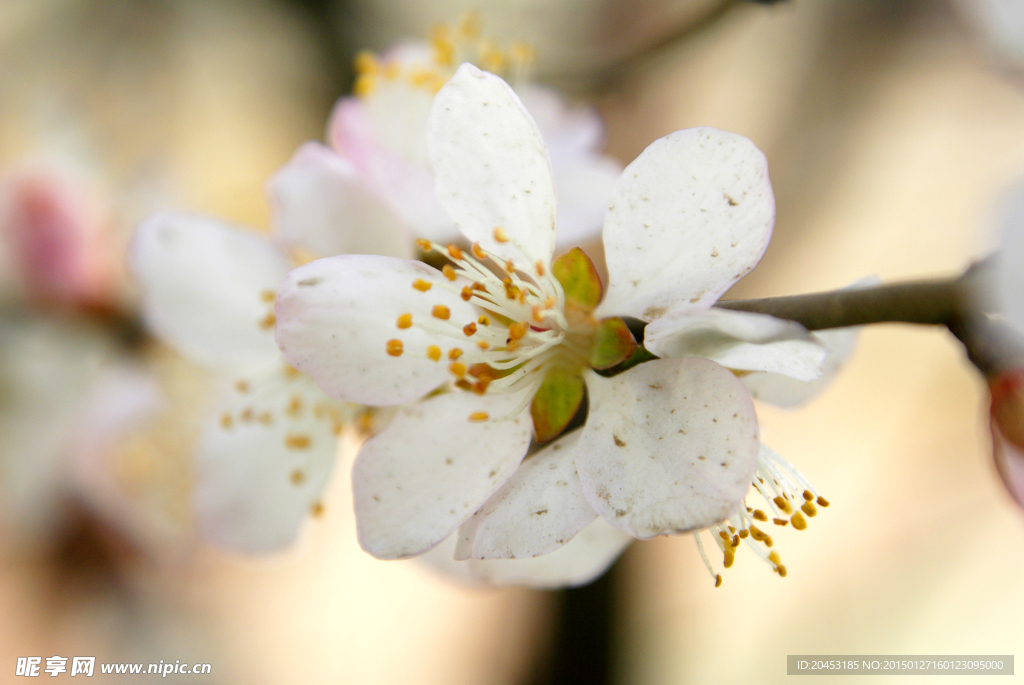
523	328
788	496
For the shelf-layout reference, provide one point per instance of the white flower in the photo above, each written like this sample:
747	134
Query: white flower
669	446
381	131
208	291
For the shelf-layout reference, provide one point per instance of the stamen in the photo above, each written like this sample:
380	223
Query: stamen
458	369
478	416
421	285
454	353
454	252
500	235
449	272
469	329
441	312
405	321
434	352
394	347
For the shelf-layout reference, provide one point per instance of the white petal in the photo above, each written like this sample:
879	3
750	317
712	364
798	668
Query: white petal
738	340
537	511
689	217
786	391
335	316
431	468
263	462
406	186
321	203
203	284
491	166
580	561
670	446
583	182
564	127
1009	280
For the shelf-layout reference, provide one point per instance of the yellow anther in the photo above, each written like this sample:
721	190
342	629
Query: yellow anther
521	53
469	25
757	534
463	384
424	244
294	407
480	286
744	533
448	272
518	330
478	416
484	320
268	296
454	252
478	252
226	421
481	371
480	387
298	477
297	441
246	415
521	296
783	504
539	267
290	372
775	558
316	510
549	303
500	235
491	59
808	495
434	352
421	285
780	522
405	321
510	266
809	509
454	353
798	521
469	329
364	85
441	312
781	570
822	502
366	62
467	293
444	49
760	515
268	321
483	344
768	541
725	536
718	580
730	557
394	347
536	313
458	369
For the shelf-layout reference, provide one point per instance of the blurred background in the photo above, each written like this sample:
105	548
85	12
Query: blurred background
892	129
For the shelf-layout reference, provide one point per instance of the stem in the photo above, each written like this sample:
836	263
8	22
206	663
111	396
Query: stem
934	302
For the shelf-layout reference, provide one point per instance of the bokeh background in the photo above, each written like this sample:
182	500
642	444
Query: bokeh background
892	128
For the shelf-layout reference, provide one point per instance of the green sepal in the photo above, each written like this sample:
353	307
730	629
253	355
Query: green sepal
579	279
555	403
613	343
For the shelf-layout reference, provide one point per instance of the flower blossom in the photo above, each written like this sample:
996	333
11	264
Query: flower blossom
501	345
208	291
380	135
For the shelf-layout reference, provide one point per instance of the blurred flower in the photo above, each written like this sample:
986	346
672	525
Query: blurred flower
530	331
380	135
56	234
208	290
